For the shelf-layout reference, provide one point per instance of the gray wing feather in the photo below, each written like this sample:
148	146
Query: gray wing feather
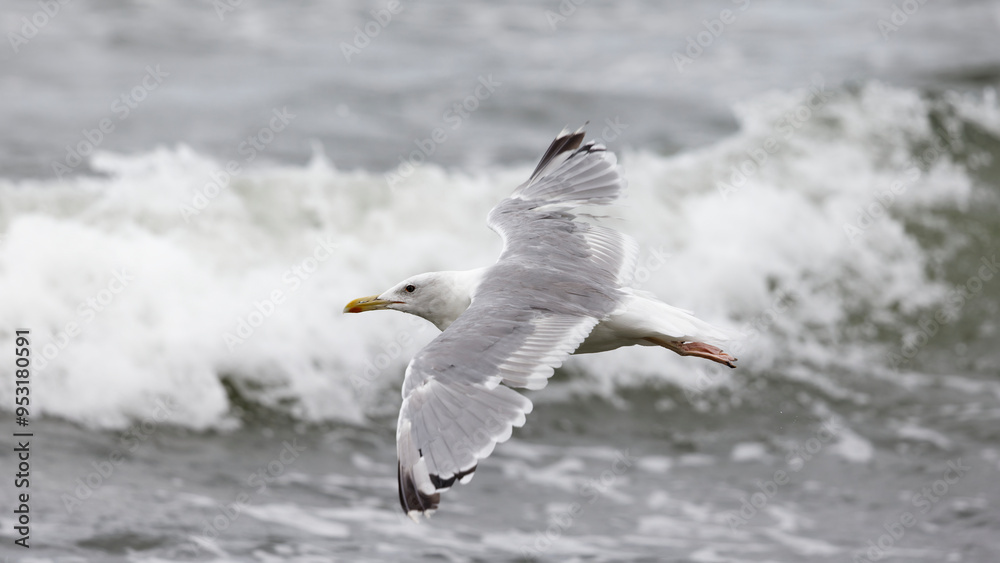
588	175
556	278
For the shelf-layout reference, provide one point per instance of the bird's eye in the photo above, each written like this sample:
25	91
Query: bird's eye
410	288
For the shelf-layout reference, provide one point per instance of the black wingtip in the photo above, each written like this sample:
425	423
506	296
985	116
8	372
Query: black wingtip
566	141
411	499
442	484
415	502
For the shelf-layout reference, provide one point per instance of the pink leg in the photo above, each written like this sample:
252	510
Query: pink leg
697	349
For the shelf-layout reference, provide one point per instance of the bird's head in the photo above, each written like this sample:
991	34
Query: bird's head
439	297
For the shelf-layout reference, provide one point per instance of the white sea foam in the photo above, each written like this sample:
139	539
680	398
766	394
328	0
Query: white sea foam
297	517
133	297
749	451
853	447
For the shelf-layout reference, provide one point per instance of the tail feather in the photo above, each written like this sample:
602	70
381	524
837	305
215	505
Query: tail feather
673	323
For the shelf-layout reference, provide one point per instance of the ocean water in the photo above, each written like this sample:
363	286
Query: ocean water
190	194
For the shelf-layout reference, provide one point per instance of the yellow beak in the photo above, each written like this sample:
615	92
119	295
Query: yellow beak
370	303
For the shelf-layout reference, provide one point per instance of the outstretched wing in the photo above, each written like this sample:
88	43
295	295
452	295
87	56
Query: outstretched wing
556	278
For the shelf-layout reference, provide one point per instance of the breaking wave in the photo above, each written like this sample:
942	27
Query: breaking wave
838	231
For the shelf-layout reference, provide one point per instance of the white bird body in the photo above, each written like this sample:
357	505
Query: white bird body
641	320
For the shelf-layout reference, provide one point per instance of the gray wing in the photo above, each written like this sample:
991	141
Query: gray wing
556	278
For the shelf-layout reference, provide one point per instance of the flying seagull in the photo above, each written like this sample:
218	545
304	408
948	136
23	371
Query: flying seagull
561	286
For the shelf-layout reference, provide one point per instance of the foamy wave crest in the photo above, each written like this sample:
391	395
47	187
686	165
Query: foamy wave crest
816	230
176	279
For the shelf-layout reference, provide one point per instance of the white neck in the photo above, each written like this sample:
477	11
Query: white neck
455	296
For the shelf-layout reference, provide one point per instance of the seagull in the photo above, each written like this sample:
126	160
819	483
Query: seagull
561	286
